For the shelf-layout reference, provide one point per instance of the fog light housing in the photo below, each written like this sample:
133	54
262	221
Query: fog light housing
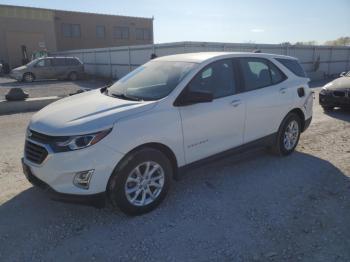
82	179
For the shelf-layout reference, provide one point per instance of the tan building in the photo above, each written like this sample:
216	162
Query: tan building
24	30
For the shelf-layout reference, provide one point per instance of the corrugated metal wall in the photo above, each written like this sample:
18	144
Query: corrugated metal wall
118	61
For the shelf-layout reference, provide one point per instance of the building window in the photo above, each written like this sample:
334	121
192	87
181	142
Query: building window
143	34
71	30
120	32
100	31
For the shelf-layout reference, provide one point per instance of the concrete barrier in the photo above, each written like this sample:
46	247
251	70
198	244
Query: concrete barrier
28	105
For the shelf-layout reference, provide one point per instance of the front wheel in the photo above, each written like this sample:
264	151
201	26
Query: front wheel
288	135
28	77
141	182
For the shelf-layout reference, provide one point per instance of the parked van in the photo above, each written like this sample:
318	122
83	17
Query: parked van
127	142
49	68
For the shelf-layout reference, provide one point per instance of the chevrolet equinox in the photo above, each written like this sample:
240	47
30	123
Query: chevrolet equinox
126	142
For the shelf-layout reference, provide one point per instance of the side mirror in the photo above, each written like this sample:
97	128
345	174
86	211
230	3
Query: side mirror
342	74
194	97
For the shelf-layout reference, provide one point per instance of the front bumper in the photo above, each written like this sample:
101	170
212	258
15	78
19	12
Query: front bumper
58	170
334	101
97	200
15	76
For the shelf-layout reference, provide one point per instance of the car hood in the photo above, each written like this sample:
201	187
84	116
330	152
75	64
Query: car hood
340	83
84	113
19	68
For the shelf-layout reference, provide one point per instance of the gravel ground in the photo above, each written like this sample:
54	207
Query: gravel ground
250	207
48	87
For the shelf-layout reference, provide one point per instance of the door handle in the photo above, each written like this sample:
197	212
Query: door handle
236	102
283	90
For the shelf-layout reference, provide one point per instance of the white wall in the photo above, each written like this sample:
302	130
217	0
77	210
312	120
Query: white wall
115	62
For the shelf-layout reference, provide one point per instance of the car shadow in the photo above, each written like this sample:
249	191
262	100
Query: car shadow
340	113
239	208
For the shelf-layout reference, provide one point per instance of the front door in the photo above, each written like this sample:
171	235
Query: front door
213	127
43	69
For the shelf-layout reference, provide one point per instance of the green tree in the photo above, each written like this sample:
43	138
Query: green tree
344	40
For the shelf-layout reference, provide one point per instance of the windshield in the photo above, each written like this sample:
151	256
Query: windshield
32	62
151	81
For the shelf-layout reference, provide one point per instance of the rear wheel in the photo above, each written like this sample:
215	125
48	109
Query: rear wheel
28	77
288	135
141	183
73	76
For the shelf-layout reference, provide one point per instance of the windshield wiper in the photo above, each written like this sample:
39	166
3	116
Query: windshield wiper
126	97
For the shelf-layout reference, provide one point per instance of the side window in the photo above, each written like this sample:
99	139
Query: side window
255	73
276	74
43	63
58	62
258	73
72	62
217	78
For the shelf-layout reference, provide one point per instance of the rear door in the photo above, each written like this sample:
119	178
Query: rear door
74	65
213	127
60	67
267	95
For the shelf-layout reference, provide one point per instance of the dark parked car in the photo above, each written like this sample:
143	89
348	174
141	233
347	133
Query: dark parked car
336	93
49	68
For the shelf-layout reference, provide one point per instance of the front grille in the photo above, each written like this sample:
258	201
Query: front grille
35	153
339	93
45	139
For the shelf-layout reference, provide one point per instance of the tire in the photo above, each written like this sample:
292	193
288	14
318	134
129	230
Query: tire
126	177
327	108
28	77
73	76
282	147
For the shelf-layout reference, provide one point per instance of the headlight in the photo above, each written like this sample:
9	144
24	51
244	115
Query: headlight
324	91
81	141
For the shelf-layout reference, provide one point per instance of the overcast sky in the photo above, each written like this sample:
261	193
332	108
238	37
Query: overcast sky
268	21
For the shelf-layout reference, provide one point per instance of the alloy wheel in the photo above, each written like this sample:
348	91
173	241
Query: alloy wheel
291	135
144	183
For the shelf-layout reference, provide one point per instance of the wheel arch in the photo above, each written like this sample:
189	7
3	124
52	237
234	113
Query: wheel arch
158	146
28	73
301	115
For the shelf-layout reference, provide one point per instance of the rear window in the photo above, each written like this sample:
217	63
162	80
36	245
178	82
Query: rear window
292	65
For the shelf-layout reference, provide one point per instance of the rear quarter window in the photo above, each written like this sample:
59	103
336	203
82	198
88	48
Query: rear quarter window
292	65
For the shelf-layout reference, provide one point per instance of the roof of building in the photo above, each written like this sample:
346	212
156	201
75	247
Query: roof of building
58	10
203	56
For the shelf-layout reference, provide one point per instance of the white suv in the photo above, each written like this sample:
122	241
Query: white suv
127	142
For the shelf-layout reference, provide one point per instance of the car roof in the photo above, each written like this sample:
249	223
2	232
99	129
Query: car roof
204	56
